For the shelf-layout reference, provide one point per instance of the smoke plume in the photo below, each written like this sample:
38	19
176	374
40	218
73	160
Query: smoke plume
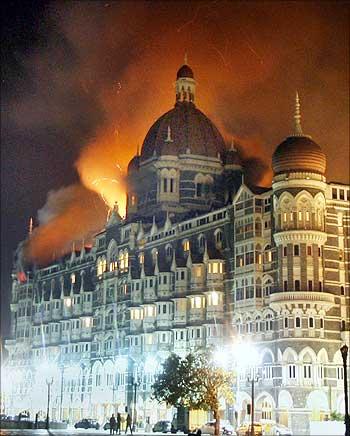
107	70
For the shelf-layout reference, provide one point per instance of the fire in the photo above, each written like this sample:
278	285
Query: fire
99	170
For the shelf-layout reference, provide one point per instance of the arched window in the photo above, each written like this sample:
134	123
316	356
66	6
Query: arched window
186	245
269	322
298	322
154	255
169	251
218	238
201	242
258	324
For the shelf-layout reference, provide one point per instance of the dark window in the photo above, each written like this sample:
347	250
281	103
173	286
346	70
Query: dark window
309	250
296	250
319	251
334	193
297	321
285	286
286	323
309	285
321	323
342	290
164	308
342	326
311	322
297	285
320	286
199	189
341	194
171	185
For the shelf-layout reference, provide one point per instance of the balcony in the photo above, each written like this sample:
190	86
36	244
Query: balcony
281	300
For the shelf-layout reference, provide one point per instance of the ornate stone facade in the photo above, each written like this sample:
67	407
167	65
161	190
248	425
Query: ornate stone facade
200	258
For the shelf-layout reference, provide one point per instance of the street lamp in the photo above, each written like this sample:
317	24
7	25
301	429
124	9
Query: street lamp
49	384
247	357
253	378
344	352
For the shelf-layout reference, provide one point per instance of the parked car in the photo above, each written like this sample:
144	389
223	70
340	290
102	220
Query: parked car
107	426
281	430
225	428
87	423
245	430
162	426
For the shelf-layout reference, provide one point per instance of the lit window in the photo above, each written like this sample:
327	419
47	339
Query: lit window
215	268
307	215
285	217
300	215
197	271
186	245
136	314
149	339
133	200
141	258
149	311
196	303
213	299
72	278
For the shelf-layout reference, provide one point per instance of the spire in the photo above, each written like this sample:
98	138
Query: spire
30	226
138	150
232	147
297	117
185	58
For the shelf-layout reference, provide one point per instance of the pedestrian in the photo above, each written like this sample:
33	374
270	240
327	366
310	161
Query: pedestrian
128	423
112	424
119	423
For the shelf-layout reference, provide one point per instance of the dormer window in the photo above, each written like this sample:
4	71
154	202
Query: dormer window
169	251
186	245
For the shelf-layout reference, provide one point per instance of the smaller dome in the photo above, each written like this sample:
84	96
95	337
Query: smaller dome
298	153
134	164
185	71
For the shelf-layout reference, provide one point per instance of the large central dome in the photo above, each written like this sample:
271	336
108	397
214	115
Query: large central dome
184	129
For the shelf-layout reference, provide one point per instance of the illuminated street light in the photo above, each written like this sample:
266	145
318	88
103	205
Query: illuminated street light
247	357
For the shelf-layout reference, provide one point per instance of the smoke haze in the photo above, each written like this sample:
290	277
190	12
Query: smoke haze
106	72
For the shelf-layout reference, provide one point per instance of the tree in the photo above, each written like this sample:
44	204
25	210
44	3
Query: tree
194	382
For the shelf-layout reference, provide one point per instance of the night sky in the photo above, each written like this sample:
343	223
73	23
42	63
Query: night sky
83	81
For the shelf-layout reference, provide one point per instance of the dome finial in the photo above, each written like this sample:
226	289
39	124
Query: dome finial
297	117
233	148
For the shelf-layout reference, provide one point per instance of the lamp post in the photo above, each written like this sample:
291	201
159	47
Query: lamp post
49	384
253	378
344	352
136	383
247	358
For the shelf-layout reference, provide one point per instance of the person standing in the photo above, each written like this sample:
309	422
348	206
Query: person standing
128	423
119	423
112	424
